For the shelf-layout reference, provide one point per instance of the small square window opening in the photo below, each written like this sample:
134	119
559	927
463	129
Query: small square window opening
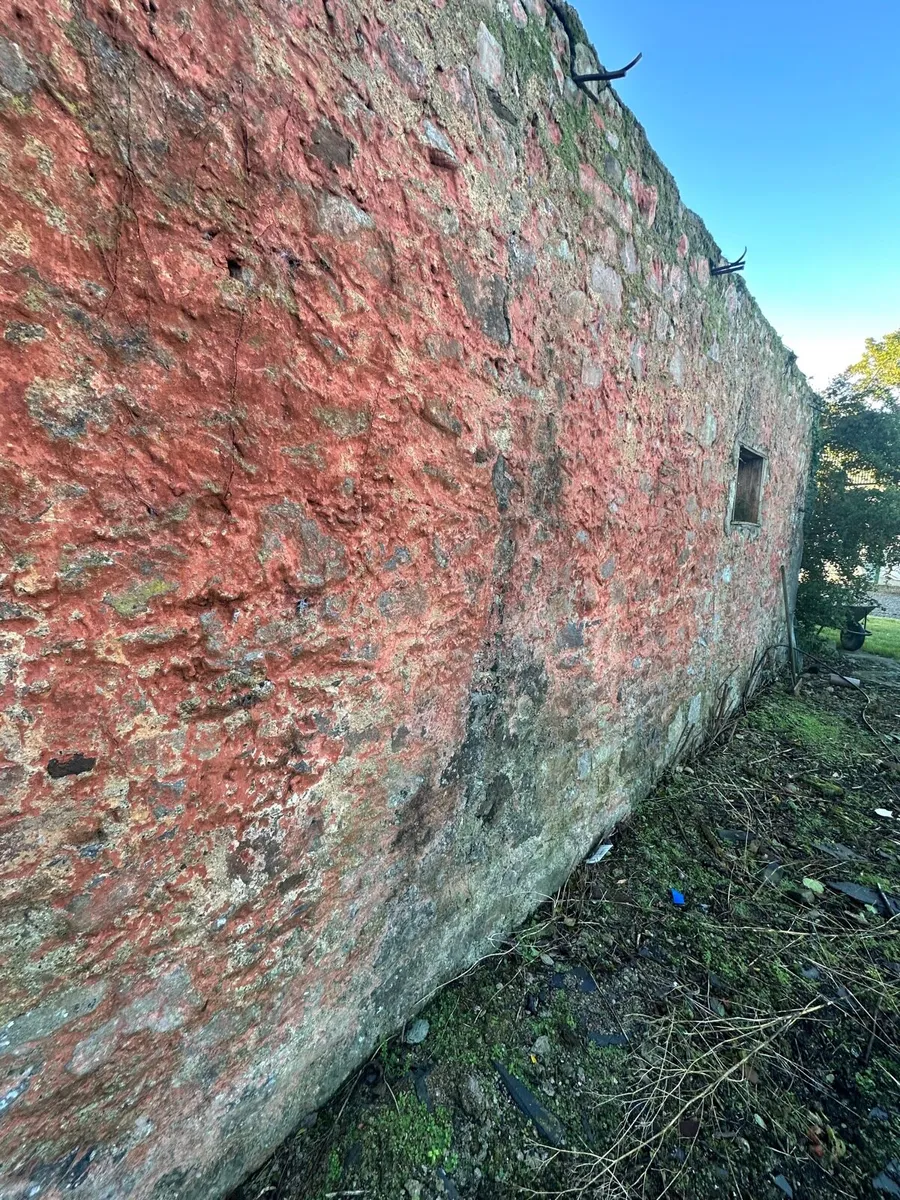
748	489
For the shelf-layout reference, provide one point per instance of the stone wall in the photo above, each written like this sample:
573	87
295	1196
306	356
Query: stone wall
369	424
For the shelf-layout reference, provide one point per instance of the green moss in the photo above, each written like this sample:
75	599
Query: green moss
450	1033
19	106
574	121
333	1168
408	1135
527	51
824	786
794	720
136	599
473	1027
556	1023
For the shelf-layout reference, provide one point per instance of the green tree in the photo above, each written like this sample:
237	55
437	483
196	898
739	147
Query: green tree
880	363
853	520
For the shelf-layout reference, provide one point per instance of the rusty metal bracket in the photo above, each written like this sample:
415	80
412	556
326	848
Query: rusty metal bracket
559	7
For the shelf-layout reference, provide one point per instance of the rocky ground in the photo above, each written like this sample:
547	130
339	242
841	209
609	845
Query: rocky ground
709	1011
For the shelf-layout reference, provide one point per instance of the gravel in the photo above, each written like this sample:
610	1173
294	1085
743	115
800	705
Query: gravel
890	604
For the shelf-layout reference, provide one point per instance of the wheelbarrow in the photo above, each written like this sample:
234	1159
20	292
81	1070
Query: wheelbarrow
854	633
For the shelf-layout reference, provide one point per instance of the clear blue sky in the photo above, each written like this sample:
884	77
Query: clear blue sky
781	124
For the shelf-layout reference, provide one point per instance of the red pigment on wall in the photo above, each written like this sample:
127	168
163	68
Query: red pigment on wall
370	423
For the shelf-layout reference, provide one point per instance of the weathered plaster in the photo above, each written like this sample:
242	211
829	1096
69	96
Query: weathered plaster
368	429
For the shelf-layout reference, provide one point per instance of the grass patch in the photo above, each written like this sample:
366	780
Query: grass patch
885	637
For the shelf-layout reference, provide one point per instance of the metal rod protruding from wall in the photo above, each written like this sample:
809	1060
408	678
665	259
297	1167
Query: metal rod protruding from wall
607	76
559	7
730	268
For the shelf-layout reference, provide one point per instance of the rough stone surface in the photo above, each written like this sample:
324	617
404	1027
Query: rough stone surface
489	57
417	1032
368	437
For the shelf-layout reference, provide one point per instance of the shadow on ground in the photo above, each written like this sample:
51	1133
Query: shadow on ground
743	1043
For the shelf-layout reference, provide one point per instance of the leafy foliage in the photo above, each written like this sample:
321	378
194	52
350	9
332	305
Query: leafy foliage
880	364
854	525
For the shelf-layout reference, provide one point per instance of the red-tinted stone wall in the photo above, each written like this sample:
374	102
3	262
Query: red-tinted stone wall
368	429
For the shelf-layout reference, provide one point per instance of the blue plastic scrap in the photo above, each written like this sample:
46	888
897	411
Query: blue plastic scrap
677	898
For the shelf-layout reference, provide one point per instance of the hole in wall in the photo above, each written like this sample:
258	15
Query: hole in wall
748	488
